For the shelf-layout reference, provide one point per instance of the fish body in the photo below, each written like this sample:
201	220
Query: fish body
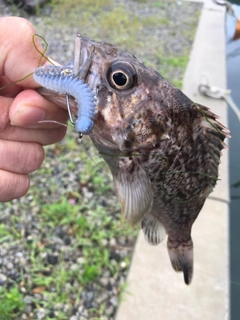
163	149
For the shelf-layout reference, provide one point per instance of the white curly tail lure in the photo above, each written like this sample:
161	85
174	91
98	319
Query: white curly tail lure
62	80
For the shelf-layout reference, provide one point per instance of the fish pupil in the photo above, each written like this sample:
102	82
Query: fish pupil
119	78
121	75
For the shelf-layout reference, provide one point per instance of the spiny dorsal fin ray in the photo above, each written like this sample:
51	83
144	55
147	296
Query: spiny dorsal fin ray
210	121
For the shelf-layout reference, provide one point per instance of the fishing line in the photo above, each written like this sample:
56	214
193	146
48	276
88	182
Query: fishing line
44	51
14	82
40	59
216	277
53	121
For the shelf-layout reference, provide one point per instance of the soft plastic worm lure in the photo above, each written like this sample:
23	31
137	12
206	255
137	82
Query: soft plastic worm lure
63	80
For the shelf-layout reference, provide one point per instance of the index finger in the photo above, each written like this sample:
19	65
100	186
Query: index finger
18	55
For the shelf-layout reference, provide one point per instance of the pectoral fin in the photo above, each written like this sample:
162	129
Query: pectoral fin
134	190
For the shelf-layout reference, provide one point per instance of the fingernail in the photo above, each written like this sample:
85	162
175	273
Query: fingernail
27	116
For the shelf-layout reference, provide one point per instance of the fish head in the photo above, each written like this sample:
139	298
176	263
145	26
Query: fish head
127	95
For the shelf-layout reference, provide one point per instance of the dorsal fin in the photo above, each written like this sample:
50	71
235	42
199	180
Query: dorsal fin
214	133
209	121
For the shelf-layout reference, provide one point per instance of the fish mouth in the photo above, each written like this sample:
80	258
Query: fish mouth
81	68
83	56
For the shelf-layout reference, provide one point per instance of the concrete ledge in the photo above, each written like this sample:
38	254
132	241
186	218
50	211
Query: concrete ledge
154	290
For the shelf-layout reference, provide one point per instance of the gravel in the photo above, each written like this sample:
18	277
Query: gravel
43	254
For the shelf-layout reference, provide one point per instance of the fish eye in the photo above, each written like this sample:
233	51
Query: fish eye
121	75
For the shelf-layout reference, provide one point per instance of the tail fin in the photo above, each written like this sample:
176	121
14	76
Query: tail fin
181	256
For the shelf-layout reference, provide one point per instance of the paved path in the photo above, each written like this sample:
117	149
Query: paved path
155	291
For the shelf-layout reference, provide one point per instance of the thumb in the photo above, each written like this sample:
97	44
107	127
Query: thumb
29	107
20	50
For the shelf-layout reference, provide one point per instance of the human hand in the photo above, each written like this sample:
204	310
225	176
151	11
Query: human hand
21	107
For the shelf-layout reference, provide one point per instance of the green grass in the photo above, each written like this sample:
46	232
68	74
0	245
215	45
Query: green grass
92	227
59	213
86	5
172	63
8	234
11	303
91	232
122	26
129	29
4	233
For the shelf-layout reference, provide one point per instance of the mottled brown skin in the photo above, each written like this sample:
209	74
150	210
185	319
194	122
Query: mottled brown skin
163	149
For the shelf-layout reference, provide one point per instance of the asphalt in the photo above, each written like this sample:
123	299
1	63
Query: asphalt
154	290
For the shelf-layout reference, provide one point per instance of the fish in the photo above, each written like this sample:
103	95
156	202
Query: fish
162	148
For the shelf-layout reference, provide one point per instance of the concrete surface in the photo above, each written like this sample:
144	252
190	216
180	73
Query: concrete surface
154	290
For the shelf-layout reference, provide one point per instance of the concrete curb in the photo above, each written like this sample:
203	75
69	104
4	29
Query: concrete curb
154	290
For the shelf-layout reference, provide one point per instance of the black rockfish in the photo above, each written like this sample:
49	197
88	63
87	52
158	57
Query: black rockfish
163	149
